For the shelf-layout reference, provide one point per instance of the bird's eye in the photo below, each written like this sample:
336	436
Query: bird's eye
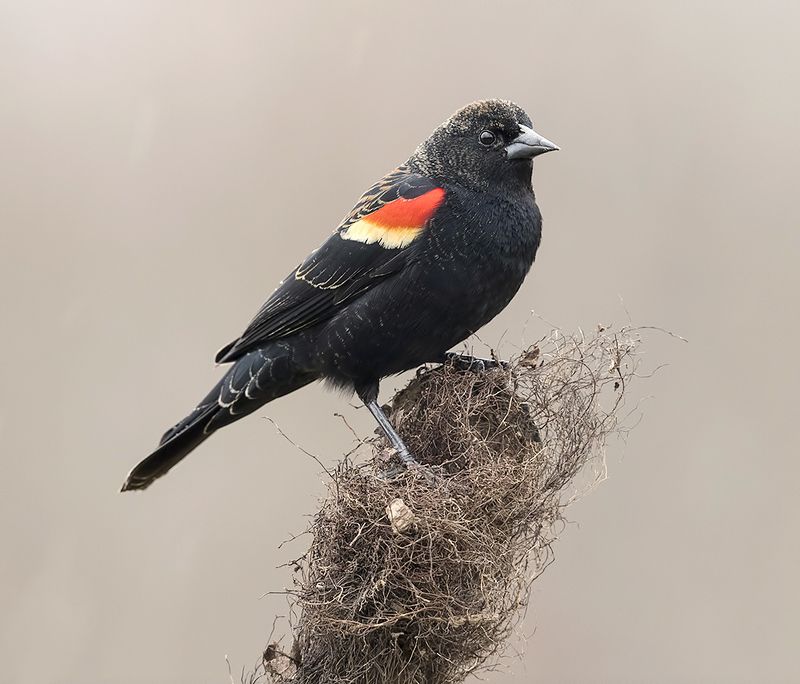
487	138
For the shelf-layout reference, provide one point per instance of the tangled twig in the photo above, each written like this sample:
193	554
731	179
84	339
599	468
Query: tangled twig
415	579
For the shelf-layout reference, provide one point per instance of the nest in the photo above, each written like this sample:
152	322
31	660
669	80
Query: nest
422	577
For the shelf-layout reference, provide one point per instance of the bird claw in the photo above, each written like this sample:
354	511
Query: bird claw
425	472
408	465
465	362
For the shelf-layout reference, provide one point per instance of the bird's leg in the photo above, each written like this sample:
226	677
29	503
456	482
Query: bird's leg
368	393
391	433
472	363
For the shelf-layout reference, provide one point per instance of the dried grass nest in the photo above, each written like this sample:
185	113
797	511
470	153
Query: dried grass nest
417	579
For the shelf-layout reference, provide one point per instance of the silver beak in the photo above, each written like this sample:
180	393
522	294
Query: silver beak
528	144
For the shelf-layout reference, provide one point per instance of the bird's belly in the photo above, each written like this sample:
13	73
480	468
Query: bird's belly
403	323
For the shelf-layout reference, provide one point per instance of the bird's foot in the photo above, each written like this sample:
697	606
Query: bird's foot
465	362
408	465
405	456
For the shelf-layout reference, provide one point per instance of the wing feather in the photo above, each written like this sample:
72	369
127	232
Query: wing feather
373	242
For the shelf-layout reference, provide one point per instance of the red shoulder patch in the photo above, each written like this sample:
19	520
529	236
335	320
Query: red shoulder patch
396	223
408	213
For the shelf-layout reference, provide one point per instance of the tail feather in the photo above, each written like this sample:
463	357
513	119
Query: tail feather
251	382
175	445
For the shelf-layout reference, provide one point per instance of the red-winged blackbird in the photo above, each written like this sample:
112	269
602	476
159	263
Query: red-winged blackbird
429	254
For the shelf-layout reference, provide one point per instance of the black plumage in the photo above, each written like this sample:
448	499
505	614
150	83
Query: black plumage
429	254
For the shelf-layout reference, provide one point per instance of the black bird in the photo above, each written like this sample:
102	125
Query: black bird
429	254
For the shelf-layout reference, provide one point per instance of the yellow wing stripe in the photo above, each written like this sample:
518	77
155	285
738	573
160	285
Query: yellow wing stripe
392	238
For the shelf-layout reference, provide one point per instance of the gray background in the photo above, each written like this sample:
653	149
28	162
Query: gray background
163	165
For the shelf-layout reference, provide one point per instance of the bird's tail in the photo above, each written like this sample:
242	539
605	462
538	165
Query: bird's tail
175	445
252	381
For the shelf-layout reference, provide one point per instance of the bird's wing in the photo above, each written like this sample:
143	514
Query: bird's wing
373	242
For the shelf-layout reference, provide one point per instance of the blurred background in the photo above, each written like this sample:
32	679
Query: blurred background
163	165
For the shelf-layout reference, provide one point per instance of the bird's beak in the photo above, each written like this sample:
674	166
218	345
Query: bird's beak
528	144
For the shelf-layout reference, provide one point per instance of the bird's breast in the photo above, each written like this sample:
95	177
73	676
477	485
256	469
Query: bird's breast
485	244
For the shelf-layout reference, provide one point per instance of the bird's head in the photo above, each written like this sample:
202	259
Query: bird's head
483	144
